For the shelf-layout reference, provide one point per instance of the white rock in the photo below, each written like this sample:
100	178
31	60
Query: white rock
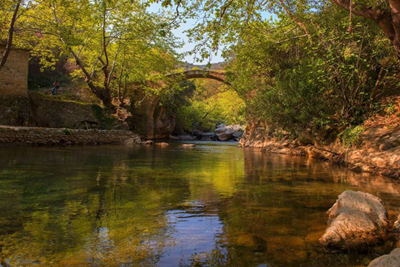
356	220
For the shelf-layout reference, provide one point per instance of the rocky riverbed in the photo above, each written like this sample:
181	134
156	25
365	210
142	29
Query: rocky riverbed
221	133
377	149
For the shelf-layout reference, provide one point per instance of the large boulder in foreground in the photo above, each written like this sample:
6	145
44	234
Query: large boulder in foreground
356	220
388	260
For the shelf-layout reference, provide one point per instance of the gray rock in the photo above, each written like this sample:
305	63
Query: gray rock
388	260
356	220
236	136
132	141
225	133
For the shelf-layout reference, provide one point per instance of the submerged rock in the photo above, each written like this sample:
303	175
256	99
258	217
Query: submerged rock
188	145
388	260
292	248
132	141
182	137
356	220
149	142
251	242
162	144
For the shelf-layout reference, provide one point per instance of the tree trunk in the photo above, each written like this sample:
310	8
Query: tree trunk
395	7
104	94
10	36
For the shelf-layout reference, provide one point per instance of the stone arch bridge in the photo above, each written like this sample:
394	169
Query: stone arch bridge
150	124
201	74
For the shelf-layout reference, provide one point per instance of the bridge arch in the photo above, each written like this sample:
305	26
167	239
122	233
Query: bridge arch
201	74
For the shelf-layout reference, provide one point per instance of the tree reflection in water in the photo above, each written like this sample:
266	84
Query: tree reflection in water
152	206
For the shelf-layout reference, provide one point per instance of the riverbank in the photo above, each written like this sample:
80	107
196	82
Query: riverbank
63	136
377	150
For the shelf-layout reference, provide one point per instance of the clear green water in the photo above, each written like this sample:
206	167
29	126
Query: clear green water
213	205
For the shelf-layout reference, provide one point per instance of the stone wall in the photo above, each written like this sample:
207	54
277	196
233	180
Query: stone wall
59	136
14	110
51	111
14	101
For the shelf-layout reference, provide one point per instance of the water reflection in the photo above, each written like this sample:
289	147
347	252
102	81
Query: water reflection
153	206
194	235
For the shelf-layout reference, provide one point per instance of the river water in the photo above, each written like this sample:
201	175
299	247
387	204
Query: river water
212	205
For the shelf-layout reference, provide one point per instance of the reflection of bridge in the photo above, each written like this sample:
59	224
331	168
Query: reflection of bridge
201	74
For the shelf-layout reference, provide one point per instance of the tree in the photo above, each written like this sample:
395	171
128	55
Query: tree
221	21
385	13
110	41
310	67
10	35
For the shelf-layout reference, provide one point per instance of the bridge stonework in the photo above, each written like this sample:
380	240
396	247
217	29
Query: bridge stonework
201	74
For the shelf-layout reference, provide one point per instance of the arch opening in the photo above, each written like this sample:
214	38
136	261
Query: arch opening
203	101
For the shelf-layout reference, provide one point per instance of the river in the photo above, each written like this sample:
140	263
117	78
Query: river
212	205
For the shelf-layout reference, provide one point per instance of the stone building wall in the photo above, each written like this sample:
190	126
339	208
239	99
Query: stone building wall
14	75
14	100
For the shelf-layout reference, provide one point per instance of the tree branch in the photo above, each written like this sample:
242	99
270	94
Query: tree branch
381	16
296	20
387	19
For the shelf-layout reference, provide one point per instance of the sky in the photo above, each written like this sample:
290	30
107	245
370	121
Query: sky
189	46
180	33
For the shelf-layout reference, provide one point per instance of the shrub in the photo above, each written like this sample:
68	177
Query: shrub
351	136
